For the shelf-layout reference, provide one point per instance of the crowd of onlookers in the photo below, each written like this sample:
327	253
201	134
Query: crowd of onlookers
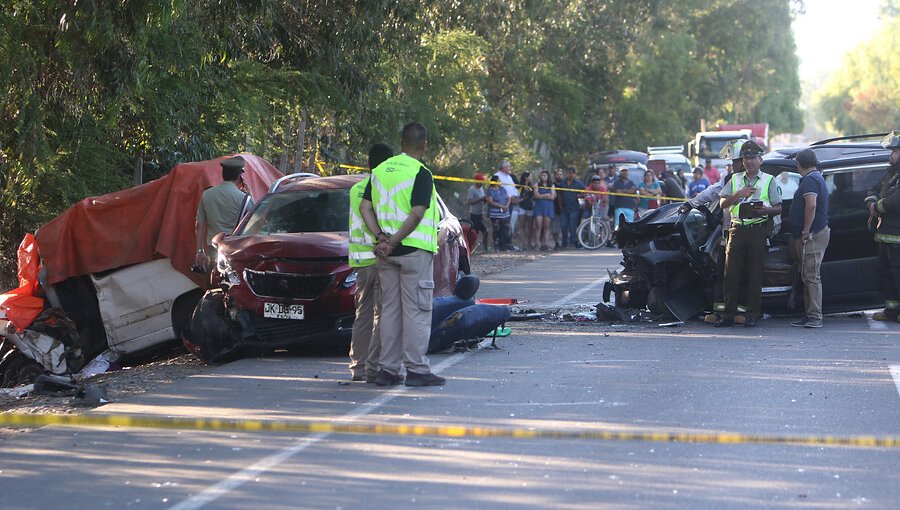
542	210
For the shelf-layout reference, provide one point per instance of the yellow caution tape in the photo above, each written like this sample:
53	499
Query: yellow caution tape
322	171
584	191
38	420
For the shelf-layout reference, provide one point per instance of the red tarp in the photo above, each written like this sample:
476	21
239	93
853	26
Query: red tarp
20	305
140	224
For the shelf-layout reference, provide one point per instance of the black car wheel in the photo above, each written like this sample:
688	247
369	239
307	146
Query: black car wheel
211	331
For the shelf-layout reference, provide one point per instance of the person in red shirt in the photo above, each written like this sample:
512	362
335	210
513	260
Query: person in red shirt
711	173
590	199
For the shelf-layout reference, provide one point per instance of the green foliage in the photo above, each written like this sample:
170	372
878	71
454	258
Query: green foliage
864	95
97	95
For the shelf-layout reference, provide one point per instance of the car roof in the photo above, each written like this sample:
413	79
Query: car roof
304	183
834	153
618	156
670	158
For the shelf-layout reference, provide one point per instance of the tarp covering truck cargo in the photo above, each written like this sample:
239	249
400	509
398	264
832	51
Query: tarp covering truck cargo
119	264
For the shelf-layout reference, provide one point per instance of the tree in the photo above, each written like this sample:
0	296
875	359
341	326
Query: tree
864	95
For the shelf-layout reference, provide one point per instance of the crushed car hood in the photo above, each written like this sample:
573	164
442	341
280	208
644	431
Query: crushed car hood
654	224
307	245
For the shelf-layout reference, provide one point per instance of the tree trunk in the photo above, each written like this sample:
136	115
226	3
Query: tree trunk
313	146
138	171
283	159
301	134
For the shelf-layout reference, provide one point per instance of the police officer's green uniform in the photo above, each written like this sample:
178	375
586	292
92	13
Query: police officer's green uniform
746	246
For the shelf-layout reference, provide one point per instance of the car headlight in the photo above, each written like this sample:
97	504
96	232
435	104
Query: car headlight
223	266
350	280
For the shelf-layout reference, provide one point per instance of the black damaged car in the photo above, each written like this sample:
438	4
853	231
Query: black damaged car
669	256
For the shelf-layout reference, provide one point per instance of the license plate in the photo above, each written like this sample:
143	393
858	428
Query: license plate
282	311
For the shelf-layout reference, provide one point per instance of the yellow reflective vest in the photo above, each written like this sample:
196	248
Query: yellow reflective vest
361	239
392	185
738	181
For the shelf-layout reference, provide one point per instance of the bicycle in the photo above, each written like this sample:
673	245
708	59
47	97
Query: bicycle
594	231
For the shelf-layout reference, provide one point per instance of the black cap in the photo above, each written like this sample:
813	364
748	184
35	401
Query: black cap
751	149
232	168
596	178
236	162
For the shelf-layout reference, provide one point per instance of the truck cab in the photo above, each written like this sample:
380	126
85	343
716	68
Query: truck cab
707	144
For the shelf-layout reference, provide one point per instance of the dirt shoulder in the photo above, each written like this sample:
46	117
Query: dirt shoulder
122	384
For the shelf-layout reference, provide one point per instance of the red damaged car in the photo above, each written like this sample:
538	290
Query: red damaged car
282	278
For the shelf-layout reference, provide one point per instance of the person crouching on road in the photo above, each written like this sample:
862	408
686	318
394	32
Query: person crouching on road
365	340
753	197
400	206
498	211
884	216
808	223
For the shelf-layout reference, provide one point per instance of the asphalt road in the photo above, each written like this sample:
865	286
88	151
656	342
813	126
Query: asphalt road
771	380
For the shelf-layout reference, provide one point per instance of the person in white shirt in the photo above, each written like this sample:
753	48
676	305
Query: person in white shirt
508	182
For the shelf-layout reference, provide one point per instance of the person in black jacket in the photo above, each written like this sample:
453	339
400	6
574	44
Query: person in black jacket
671	185
884	215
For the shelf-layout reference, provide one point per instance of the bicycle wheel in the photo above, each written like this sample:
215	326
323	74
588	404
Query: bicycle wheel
593	233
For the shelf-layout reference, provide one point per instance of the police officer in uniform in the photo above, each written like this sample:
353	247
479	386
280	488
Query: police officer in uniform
365	341
710	199
884	215
399	206
751	198
219	210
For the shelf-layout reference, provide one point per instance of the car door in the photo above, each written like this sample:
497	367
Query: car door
850	276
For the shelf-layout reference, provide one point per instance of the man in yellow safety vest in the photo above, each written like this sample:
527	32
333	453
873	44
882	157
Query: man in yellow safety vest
365	342
400	207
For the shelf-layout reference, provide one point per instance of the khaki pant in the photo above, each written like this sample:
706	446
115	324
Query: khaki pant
744	262
809	256
407	289
365	342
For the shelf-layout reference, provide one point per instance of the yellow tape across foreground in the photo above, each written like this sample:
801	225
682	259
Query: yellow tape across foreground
38	420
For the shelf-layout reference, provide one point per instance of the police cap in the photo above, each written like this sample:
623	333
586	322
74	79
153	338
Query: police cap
751	149
236	162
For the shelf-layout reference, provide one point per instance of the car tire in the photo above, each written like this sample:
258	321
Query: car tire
211	332
183	310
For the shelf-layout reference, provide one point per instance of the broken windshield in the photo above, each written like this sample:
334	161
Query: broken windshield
300	211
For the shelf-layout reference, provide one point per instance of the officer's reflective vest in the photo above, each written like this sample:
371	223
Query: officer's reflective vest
738	181
361	239
392	185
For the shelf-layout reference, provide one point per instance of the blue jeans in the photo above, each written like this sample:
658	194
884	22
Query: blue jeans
570	220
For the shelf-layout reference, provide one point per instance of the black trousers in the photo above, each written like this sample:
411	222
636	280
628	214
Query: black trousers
744	263
889	258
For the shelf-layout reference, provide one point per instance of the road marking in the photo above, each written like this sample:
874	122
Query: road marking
234	481
873	324
552	404
586	288
895	373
